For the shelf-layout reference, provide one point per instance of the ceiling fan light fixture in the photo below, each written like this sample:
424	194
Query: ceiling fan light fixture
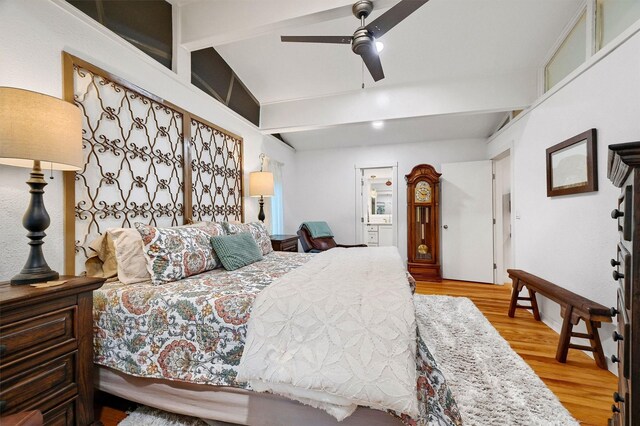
379	46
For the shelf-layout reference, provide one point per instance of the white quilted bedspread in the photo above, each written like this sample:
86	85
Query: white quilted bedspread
338	332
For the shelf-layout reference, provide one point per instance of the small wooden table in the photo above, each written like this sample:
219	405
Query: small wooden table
284	243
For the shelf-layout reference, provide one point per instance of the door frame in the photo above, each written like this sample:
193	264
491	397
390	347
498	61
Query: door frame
359	207
498	251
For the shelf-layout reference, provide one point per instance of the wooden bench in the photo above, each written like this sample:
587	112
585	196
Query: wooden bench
574	308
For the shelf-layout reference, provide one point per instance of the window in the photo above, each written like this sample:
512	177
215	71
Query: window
211	73
613	17
277	200
569	56
145	24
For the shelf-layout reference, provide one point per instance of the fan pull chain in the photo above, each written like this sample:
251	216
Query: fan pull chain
362	68
51	171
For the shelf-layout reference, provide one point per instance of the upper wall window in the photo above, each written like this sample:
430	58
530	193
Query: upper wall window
569	56
145	24
613	17
211	73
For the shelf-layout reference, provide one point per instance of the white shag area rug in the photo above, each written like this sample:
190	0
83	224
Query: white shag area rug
492	385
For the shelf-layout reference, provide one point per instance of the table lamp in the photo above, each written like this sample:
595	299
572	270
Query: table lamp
261	185
41	132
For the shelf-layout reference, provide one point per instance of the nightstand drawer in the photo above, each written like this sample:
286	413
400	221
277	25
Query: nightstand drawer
289	246
62	415
40	332
38	383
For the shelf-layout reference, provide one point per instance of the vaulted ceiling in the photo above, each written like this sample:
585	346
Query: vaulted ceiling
452	68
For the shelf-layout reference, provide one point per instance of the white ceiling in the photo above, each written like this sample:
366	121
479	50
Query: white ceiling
446	41
405	130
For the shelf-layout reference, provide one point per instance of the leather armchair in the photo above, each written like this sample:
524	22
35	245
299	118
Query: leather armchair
316	245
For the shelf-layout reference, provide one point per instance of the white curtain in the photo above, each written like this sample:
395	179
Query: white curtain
277	201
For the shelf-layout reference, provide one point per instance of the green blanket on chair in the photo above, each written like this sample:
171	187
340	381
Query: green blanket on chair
318	229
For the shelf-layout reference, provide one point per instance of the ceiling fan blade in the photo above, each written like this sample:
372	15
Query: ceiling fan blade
372	61
393	17
317	39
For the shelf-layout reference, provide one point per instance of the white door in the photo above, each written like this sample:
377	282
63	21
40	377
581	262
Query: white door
467	221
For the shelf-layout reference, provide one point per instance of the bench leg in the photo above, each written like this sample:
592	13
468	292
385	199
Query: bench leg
534	304
514	298
598	353
565	336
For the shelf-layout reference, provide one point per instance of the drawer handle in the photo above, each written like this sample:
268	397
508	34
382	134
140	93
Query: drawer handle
614	359
617	275
613	312
617	397
615	213
3	349
3	405
617	336
614	408
614	263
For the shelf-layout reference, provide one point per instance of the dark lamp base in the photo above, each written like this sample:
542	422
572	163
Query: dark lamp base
34	277
36	221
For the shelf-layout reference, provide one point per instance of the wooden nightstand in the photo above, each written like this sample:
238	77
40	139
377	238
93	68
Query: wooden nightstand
284	242
46	350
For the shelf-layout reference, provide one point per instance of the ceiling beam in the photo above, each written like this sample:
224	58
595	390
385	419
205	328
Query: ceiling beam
455	96
207	23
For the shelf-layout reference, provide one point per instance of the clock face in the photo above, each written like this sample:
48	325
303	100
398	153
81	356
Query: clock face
423	192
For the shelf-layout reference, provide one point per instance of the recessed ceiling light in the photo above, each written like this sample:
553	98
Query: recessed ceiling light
377	124
379	46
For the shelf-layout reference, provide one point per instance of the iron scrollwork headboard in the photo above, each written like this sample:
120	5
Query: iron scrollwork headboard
138	167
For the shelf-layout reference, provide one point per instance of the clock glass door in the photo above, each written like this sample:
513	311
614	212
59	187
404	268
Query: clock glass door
423	238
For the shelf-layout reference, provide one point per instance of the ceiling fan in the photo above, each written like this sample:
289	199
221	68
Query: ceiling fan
363	39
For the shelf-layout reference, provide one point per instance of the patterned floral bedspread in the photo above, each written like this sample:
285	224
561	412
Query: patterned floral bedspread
194	330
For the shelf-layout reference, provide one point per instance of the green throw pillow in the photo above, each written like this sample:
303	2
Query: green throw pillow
236	251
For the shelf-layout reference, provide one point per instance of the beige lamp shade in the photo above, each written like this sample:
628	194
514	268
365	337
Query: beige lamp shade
34	126
260	184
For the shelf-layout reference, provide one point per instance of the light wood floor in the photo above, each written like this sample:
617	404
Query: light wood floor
583	388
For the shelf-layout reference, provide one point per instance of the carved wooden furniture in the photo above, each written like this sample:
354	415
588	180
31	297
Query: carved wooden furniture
285	243
24	418
624	172
46	346
423	223
573	309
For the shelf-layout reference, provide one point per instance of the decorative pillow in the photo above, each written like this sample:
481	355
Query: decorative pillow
236	251
102	260
132	265
257	231
176	253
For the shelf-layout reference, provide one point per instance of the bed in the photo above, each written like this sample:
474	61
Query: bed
177	346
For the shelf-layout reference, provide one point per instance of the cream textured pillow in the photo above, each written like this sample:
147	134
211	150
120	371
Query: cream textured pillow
102	261
132	265
257	231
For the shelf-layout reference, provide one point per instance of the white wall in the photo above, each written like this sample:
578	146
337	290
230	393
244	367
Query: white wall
325	180
34	33
569	240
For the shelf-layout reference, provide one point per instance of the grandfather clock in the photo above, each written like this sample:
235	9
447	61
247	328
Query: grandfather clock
423	223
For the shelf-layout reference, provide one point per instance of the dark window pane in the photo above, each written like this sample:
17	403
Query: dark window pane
145	24
242	103
88	7
210	73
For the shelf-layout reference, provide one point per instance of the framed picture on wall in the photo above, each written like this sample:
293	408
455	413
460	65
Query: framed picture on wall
572	165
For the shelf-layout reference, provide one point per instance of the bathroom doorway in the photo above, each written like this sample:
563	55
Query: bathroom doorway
377	206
